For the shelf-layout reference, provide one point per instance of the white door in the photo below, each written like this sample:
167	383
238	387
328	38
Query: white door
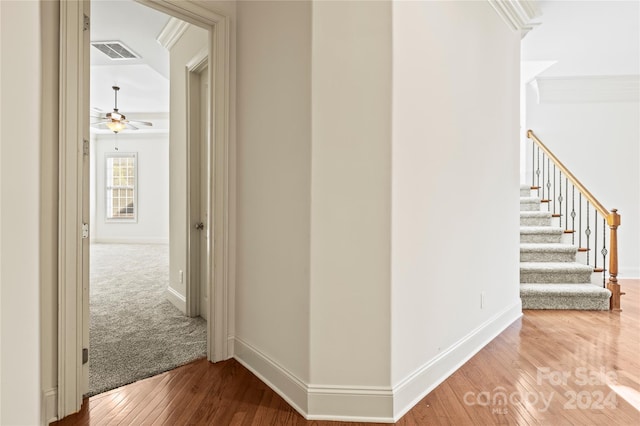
204	177
199	190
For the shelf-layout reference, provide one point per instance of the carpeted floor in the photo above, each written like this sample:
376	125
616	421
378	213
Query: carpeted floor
134	331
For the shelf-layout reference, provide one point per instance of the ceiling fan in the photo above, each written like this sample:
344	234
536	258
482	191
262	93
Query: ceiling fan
116	121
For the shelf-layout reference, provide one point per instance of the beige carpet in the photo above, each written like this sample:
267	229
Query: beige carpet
134	331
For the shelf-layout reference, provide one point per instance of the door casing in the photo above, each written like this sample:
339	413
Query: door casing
73	250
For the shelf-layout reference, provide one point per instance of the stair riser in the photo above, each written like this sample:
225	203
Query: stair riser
535	221
553	256
563	302
552	277
527	206
540	238
525	192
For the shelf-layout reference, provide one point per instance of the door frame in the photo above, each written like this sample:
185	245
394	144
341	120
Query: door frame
72	251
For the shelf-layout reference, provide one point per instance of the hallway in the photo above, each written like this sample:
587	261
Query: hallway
569	368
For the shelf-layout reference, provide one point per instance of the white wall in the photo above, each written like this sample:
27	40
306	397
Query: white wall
273	182
455	188
20	220
593	125
192	42
350	214
152	225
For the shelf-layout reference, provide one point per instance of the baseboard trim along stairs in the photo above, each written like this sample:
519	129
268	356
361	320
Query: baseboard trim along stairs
550	275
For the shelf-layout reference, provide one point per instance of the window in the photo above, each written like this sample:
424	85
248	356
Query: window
121	185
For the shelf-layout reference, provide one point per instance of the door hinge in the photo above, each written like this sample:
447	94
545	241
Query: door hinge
85	230
85	147
85	23
85	355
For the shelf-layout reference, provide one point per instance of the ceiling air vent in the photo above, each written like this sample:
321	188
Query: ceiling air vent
114	49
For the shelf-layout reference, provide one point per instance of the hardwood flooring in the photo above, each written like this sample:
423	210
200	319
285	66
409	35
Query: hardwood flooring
549	368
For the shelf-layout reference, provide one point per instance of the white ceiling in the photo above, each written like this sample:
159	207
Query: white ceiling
143	82
586	38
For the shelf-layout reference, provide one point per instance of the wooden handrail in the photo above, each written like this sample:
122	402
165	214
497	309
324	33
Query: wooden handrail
603	211
612	217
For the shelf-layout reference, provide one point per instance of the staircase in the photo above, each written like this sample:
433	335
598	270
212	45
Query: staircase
550	276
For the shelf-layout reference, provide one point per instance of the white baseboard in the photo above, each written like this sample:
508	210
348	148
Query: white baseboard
341	403
284	383
231	346
374	403
49	405
347	404
177	299
130	241
417	385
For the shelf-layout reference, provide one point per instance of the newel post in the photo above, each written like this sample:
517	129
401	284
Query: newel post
614	221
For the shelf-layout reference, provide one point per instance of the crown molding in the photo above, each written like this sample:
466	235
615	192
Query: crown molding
171	33
588	89
517	14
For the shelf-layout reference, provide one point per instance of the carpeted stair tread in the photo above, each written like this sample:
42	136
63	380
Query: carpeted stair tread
564	289
541	234
529	203
547	252
541	230
555	272
534	213
535	218
564	296
529	199
555	267
541	247
525	190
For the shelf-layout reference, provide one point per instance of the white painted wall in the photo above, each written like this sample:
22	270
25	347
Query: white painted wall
192	42
350	187
20	217
273	181
598	139
455	188
152	225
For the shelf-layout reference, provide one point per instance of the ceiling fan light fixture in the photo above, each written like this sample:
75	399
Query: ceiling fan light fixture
116	126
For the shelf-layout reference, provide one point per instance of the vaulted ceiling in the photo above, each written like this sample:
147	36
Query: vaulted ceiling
144	82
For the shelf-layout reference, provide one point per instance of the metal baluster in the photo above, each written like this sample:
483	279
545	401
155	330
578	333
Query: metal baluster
542	185
573	214
604	252
560	198
554	188
579	220
595	239
538	170
587	232
566	205
533	163
549	183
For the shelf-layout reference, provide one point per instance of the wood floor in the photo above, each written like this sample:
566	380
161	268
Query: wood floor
550	367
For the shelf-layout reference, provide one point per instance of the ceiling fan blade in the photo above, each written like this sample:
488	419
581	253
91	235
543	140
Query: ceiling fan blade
130	126
99	125
141	123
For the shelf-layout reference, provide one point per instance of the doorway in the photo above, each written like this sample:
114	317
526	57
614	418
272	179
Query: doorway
73	248
137	327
